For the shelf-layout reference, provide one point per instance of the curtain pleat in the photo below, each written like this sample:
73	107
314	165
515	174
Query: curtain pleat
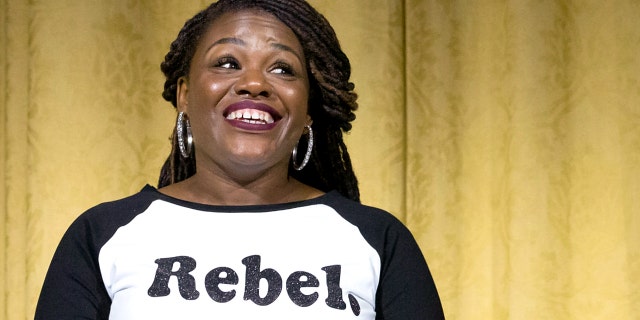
505	134
373	38
522	155
15	151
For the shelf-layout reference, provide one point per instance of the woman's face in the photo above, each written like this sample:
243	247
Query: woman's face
246	94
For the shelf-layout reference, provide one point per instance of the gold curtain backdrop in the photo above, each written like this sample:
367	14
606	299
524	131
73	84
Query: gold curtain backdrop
505	134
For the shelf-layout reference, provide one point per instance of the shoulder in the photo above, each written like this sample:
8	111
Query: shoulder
122	208
98	223
379	227
359	213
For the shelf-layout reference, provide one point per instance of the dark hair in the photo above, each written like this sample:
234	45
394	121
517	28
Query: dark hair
331	99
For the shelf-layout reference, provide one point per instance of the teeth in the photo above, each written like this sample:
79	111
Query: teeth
251	116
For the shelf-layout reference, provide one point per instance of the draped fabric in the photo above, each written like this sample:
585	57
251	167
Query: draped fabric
505	134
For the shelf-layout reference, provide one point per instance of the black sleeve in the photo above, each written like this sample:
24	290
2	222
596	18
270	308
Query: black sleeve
406	290
73	287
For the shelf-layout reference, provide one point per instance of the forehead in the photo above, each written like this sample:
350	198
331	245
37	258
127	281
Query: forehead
251	23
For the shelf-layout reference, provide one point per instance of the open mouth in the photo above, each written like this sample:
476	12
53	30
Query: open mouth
252	115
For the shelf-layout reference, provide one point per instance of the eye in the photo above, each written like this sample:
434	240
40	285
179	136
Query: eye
226	62
282	68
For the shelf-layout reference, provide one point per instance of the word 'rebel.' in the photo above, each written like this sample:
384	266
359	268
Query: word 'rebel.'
253	274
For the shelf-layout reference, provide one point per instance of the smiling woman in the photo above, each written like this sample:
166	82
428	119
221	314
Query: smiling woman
320	65
254	83
249	63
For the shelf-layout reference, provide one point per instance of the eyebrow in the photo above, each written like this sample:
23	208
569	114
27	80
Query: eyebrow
241	42
235	41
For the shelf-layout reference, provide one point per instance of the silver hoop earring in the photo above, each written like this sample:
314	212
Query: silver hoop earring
184	127
307	155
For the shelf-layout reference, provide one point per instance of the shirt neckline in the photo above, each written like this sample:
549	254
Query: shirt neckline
238	208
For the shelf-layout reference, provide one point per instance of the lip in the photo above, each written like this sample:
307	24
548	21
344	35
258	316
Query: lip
247	104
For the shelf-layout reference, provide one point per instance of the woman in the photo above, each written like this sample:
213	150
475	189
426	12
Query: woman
257	212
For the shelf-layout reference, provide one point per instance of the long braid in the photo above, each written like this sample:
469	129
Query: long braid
176	65
176	168
332	101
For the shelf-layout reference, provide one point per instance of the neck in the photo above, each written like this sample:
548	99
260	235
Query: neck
209	187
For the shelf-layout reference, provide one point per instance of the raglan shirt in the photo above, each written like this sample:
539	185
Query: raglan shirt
150	256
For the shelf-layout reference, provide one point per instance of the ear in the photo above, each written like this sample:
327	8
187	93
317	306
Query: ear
308	123
182	102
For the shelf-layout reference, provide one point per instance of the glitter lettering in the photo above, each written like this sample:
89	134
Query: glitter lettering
255	277
295	283
215	278
252	283
334	299
186	282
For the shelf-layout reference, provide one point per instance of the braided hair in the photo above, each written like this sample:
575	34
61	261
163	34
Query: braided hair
332	101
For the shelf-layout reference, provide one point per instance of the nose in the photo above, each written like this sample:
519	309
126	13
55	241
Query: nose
253	83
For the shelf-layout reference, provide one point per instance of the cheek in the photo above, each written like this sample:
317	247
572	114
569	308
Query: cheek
207	96
209	87
214	92
216	87
212	84
298	97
